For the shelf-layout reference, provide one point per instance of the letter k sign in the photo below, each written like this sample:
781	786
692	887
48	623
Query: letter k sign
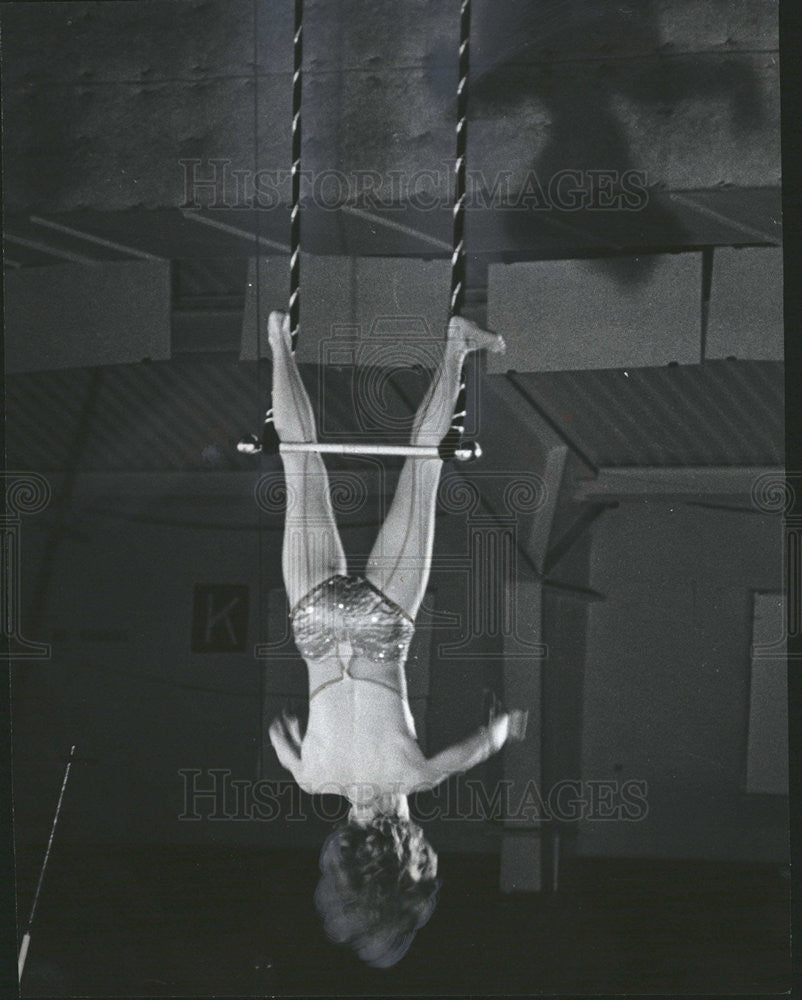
220	618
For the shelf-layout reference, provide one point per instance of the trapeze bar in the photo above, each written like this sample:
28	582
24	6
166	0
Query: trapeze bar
403	450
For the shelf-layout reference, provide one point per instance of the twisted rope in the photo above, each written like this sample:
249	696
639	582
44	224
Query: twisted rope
451	443
458	254
295	213
458	265
269	439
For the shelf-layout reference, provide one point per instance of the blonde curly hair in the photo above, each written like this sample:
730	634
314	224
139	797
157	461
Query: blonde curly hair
367	897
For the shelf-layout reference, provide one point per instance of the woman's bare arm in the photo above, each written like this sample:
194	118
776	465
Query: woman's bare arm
466	754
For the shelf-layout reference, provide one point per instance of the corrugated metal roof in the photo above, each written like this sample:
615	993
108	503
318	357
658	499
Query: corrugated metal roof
184	414
187	414
717	413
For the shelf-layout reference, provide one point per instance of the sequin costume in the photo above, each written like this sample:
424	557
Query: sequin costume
351	609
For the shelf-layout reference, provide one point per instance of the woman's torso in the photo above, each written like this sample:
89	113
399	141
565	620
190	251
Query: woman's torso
360	733
360	730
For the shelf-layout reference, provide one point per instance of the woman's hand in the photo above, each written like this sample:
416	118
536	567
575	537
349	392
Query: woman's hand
292	728
285	735
503	726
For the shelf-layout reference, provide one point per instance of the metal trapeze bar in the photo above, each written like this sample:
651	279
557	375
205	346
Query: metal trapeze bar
405	450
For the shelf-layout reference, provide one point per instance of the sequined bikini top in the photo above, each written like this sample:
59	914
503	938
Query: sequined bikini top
350	608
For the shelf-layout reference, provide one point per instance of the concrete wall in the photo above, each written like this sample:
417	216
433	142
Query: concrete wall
562	315
356	310
113	595
123	683
570	314
667	680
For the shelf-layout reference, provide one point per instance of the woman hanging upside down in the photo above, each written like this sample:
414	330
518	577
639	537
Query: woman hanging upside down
378	883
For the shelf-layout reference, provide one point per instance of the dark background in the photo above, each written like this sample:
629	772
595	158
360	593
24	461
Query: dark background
643	596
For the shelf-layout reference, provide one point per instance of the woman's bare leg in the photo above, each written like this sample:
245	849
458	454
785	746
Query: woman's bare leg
312	550
400	561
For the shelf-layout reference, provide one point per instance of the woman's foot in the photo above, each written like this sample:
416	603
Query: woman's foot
473	338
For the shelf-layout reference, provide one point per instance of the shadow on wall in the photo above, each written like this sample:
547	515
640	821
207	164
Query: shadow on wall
575	56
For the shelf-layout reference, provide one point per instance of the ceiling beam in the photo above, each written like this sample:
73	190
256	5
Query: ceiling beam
529	417
398	227
751	231
580	525
573	590
547	430
542	523
682	482
193	215
59	227
75	258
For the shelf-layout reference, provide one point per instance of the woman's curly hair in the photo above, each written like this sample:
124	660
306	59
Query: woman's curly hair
366	896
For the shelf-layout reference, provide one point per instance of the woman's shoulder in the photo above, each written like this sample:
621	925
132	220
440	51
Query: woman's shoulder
394	761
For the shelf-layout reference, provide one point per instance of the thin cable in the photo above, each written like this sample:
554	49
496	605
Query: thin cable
26	938
257	274
258	220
